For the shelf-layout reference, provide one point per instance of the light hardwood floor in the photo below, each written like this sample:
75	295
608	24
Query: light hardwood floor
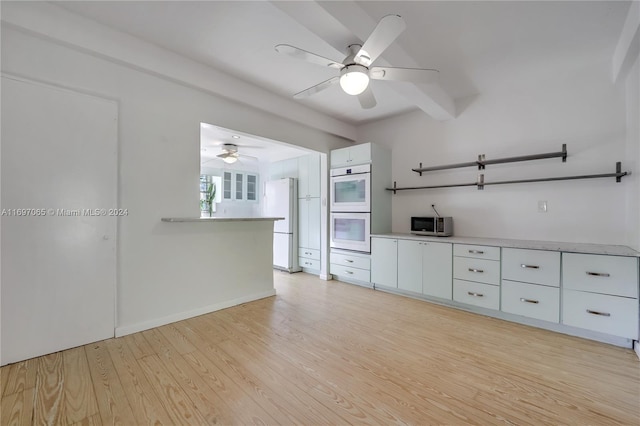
329	353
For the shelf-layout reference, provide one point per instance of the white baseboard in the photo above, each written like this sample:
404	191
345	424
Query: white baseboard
146	325
326	277
636	347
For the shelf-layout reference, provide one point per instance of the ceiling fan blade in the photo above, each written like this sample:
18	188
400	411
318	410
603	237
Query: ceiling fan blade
297	53
317	88
387	30
366	98
413	75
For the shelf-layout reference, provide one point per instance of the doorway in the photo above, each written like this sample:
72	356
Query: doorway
59	221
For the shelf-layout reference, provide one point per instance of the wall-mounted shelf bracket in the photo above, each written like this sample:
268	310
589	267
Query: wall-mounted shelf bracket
482	162
480	182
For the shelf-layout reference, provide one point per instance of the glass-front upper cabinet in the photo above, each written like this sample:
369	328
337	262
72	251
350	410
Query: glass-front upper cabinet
239	186
252	187
226	185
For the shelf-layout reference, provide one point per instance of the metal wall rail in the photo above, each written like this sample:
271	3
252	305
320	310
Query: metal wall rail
480	183
481	162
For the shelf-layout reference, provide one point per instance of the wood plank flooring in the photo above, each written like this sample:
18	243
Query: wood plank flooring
329	353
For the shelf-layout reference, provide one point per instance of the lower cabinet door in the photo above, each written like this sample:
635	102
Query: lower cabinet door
410	265
599	312
384	262
437	269
531	300
478	294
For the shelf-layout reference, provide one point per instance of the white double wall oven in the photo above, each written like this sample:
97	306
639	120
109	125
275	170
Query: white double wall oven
351	208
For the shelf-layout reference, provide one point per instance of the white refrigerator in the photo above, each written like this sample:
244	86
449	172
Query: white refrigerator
281	200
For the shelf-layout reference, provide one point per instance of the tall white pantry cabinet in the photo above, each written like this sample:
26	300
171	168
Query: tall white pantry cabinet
309	206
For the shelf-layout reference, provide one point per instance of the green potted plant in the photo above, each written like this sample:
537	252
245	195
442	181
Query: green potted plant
210	198
208	204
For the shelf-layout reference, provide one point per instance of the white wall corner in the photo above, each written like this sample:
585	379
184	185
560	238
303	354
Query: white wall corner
158	322
628	47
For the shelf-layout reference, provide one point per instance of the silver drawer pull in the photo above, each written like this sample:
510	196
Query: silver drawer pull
471	293
476	270
347	260
604	314
598	274
522	265
476	252
349	272
522	299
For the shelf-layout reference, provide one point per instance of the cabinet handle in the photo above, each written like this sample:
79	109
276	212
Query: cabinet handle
522	299
476	251
522	265
604	314
476	270
598	274
349	272
348	260
471	293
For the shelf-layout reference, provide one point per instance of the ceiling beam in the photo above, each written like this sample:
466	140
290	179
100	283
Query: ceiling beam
56	24
628	47
344	22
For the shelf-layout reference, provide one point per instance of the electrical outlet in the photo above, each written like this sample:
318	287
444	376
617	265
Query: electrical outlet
542	206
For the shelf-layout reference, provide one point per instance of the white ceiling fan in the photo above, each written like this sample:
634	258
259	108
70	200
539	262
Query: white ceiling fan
356	69
229	153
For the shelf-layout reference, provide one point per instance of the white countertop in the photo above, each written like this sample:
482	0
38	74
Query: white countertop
218	219
613	250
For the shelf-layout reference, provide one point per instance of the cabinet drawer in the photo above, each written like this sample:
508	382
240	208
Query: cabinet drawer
308	263
531	266
351	261
309	253
348	272
531	300
478	252
598	312
615	275
484	271
478	294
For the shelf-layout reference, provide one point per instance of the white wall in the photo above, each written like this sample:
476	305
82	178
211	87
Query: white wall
573	103
163	269
633	155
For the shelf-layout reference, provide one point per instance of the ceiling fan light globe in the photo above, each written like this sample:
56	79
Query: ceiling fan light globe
230	159
354	79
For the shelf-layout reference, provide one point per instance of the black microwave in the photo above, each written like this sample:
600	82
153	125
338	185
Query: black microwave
436	226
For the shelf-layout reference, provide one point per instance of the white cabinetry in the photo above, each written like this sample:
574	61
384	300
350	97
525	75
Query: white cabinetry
476	273
531	283
309	176
425	267
384	262
410	265
437	269
350	156
588	295
351	267
309	222
600	293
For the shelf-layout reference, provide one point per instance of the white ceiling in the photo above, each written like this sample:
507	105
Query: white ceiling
475	45
251	148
